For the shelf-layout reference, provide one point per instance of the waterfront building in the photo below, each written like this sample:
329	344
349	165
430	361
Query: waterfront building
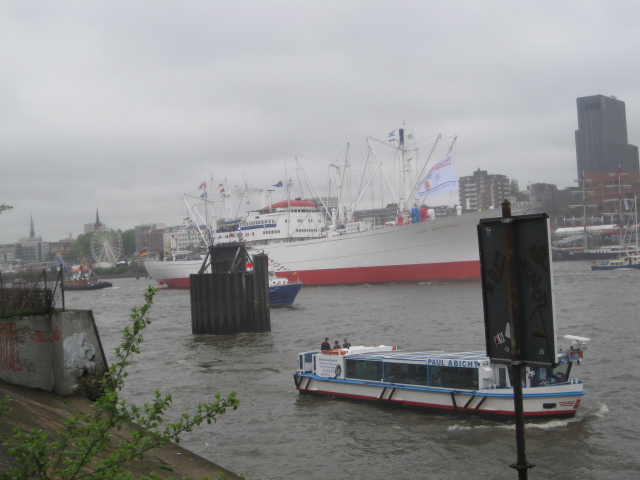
482	191
181	239
156	241
141	234
613	192
31	249
543	197
7	257
601	138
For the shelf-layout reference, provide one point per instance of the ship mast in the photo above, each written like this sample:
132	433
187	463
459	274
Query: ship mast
341	217
407	173
584	209
635	208
225	197
620	173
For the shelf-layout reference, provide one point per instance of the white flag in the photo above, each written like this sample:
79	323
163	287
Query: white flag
440	179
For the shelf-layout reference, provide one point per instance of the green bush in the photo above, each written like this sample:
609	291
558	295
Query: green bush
80	449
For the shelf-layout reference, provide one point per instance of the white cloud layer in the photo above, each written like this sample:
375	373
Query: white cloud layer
122	106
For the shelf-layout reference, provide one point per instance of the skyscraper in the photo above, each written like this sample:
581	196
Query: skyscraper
601	138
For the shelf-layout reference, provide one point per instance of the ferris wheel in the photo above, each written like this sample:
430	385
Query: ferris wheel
106	245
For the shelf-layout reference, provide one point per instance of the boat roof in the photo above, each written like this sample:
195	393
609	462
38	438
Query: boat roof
420	356
290	203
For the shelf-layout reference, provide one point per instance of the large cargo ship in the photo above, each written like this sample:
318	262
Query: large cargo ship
437	249
306	240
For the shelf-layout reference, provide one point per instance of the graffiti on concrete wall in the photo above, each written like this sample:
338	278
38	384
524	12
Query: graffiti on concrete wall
9	353
78	354
14	349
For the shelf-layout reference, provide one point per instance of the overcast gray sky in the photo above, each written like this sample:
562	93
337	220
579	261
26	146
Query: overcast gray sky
122	106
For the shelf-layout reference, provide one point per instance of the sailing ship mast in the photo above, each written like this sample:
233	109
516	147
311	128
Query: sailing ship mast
584	209
407	173
635	208
620	173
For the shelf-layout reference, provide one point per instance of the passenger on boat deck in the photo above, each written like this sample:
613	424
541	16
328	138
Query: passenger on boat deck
346	344
336	345
325	345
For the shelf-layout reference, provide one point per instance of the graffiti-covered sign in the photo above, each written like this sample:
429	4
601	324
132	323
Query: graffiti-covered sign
533	284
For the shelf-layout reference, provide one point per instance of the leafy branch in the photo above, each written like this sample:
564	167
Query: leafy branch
82	450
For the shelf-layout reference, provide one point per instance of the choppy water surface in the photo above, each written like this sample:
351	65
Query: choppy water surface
278	434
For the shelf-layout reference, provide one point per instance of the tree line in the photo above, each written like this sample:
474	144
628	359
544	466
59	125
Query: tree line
81	249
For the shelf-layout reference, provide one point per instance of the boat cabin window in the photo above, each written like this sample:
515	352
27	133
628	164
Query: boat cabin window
502	376
453	377
523	376
541	376
363	370
405	373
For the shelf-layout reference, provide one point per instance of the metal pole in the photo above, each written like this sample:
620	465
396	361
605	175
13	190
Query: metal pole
516	364
61	279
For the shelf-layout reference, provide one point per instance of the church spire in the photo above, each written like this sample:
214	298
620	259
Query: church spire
97	225
32	231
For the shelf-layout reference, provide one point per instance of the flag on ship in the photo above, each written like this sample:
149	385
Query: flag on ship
204	195
202	185
407	135
279	184
144	253
190	223
440	179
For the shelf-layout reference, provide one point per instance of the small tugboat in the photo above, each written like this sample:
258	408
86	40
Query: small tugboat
282	292
83	278
462	383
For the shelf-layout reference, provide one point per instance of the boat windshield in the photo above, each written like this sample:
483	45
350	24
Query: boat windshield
541	376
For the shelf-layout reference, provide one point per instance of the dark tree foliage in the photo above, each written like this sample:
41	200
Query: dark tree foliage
81	249
128	242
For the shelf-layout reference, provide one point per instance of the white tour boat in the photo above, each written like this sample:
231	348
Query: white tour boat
465	382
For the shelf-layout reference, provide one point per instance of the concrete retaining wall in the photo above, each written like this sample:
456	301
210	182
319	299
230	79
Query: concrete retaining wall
50	353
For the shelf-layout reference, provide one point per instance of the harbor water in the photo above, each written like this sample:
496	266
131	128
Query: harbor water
278	434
